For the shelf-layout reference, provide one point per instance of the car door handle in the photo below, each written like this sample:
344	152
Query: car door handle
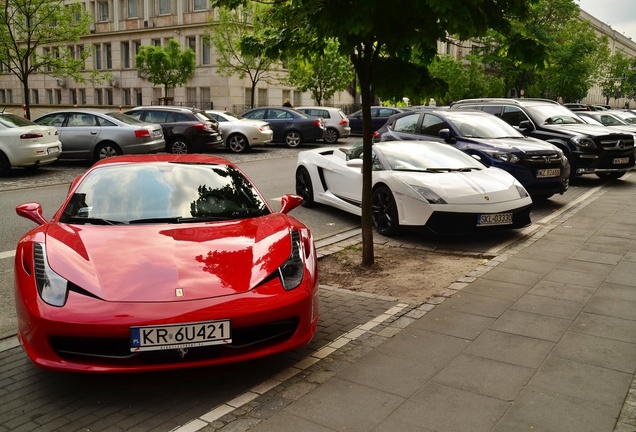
93	132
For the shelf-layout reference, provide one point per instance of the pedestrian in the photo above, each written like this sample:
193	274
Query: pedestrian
287	103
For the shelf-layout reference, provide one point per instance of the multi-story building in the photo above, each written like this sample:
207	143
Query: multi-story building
120	28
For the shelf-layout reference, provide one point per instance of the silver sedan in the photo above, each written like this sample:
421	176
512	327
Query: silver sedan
92	134
240	133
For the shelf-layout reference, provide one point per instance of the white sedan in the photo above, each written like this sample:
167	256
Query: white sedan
26	144
415	184
240	134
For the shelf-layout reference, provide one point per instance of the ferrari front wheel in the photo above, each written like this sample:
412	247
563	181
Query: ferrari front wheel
304	188
384	212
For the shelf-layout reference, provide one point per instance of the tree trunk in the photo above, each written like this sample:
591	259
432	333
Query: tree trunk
253	95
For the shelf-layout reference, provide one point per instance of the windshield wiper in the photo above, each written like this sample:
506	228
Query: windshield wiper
178	219
91	220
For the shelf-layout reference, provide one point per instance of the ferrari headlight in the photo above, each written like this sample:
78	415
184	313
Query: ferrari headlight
292	270
428	195
503	156
53	288
583	141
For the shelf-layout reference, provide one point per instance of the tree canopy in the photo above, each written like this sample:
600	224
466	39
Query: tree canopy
37	36
168	66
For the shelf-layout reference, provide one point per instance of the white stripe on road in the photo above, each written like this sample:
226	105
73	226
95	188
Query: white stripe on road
8	254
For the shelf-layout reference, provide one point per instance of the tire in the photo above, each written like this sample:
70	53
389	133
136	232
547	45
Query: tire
237	143
178	146
384	212
5	165
106	150
610	175
293	139
331	136
304	188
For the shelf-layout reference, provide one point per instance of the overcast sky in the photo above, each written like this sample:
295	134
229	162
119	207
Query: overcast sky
619	14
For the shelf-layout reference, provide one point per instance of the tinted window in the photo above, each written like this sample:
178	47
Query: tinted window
406	123
12	120
256	114
278	114
431	125
52	120
385	112
513	115
492	109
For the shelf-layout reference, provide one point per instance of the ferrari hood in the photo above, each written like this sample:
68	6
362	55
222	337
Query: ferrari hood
469	187
149	263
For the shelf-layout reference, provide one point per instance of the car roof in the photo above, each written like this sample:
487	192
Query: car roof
168	108
510	101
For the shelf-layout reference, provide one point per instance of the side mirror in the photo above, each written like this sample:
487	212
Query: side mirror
446	135
526	125
289	202
31	211
355	163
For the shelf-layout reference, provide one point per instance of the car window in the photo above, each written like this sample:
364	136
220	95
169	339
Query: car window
56	120
105	122
609	120
407	123
385	112
431	125
256	115
513	115
157	117
342	114
492	109
124	118
278	114
81	120
135	114
12	120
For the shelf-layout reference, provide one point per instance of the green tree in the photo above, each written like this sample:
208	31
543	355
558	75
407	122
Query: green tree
613	76
36	35
451	71
168	66
225	33
321	73
386	45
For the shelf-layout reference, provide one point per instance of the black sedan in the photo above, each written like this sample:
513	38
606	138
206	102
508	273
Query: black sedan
379	116
539	166
290	126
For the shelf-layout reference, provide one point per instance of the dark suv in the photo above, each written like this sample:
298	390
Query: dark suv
186	130
589	148
539	166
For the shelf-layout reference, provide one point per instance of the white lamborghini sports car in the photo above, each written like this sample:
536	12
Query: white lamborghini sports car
415	184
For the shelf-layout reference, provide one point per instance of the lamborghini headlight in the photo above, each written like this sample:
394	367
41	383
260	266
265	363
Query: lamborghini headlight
428	195
583	141
53	288
503	156
293	270
522	191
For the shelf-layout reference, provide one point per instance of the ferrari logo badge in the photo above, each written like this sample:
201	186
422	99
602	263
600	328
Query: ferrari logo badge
179	292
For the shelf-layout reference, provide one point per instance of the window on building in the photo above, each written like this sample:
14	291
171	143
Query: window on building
125	55
35	96
3	96
164	7
287	94
73	94
205	52
200	5
125	97
49	96
191	96
82	96
138	97
204	93
58	96
157	94
156	42
298	96
191	42
79	52
133	8
109	96
102	11
99	97
248	98
45	53
109	55
98	56
262	97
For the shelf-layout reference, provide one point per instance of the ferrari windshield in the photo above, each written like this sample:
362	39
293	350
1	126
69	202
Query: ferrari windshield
425	156
160	192
471	126
553	114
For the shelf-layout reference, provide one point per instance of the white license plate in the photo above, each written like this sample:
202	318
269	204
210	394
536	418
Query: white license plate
152	338
549	172
52	150
494	219
619	161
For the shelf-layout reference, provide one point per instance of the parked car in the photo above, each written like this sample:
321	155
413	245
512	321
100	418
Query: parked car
379	116
241	134
186	130
290	126
610	119
95	135
539	166
591	149
419	184
580	107
26	144
336	122
163	262
627	116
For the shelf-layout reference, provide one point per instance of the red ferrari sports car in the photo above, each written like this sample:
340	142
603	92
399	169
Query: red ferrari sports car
159	262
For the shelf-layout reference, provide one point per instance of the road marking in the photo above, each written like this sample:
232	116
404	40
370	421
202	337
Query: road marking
7	254
244	398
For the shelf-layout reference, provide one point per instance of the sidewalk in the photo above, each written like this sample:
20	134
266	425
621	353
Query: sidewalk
541	338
